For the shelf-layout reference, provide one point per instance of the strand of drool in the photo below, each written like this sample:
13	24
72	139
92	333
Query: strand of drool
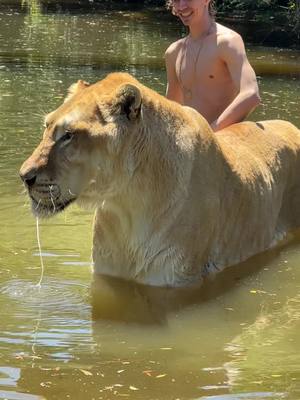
40	252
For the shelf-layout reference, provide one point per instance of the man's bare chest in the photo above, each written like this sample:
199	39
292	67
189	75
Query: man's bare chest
200	66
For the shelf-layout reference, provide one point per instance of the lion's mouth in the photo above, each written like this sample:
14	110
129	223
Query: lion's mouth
42	208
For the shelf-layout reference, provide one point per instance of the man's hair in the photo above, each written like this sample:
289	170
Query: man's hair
211	7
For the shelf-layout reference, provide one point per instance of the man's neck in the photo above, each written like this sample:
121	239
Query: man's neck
201	29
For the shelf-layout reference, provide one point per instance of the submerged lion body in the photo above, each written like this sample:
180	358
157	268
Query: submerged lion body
173	200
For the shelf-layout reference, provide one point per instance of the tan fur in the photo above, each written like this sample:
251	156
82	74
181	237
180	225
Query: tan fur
173	200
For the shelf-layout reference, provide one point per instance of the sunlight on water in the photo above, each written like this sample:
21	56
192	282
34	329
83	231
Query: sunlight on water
11	395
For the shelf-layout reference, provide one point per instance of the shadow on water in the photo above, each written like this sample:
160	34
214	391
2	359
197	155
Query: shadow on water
118	300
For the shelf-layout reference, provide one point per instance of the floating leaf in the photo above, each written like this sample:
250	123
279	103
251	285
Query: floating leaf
46	384
85	372
133	388
161	376
148	372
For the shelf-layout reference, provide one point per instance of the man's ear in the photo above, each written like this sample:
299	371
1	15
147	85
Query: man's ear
77	87
129	101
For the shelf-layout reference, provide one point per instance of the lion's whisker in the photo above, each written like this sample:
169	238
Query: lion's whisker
38	204
72	194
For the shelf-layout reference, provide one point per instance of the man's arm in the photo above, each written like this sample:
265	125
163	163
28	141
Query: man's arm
243	76
174	91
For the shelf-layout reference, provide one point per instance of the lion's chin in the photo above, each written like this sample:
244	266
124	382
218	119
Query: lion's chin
47	210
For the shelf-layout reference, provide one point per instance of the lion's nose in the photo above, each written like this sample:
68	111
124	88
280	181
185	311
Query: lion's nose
28	177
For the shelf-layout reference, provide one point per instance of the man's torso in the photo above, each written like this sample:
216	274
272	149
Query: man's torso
204	78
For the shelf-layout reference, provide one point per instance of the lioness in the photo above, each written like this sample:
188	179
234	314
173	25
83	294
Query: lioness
173	200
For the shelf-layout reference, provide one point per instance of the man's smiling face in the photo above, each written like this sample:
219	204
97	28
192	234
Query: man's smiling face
190	11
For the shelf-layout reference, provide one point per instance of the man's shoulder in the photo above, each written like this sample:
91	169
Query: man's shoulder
226	34
174	48
229	41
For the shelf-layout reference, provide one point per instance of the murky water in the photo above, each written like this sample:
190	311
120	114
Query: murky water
80	338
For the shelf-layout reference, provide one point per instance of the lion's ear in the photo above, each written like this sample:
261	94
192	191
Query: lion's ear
76	88
129	99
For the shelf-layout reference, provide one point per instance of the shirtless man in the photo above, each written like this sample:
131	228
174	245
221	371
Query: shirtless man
208	69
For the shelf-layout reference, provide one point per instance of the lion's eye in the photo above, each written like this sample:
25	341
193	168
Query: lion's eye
67	137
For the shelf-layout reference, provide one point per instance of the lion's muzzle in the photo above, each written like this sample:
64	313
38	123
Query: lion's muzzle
45	194
28	175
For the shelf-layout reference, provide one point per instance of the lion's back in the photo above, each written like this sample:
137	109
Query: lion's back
268	146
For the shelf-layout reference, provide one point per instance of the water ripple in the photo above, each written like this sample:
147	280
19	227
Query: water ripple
53	318
66	295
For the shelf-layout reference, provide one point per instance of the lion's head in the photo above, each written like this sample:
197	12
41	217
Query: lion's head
84	145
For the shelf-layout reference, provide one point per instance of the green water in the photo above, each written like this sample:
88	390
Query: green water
75	338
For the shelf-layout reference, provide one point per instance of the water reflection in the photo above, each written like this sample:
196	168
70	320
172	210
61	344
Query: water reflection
51	318
247	396
9	376
117	300
11	395
111	39
273	333
104	39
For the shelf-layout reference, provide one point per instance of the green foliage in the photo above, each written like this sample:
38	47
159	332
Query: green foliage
268	5
247	5
294	15
288	9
